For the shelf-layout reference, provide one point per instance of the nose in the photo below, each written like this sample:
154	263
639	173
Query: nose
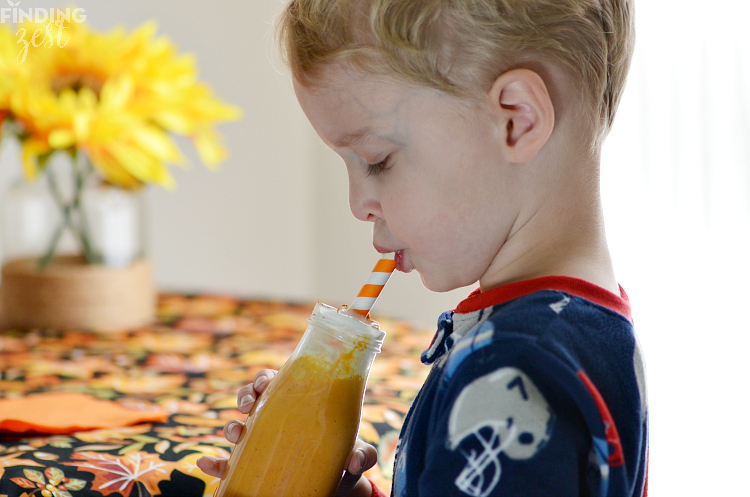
363	200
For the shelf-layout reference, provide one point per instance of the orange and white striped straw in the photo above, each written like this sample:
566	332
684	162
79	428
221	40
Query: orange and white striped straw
375	283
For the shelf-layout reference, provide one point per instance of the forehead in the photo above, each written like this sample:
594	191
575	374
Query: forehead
347	105
339	84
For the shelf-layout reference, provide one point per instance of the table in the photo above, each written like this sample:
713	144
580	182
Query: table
191	362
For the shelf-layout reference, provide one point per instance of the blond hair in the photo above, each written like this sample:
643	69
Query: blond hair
461	46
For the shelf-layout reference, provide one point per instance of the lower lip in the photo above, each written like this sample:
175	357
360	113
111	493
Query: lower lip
400	264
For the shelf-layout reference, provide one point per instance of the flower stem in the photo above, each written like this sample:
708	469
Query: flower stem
47	258
83	170
65	222
82	232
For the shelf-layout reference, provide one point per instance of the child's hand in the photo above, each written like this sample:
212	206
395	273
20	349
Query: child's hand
363	457
246	398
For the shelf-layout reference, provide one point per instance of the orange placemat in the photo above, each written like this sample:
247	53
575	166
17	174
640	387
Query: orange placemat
69	412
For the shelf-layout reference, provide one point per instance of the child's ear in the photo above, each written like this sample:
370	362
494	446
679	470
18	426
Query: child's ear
524	108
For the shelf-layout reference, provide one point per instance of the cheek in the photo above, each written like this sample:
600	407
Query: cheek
423	223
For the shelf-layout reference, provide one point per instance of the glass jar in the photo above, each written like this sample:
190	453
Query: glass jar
56	216
299	436
73	251
28	220
116	224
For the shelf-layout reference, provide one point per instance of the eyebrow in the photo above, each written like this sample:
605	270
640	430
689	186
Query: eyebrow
353	138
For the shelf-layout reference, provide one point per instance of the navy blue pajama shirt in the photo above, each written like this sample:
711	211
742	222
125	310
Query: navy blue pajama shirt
537	389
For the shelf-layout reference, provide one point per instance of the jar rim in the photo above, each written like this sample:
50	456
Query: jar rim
338	319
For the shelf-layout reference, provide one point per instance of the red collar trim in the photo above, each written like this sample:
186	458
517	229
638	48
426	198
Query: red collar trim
574	286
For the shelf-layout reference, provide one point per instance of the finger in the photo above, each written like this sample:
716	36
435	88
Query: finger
363	457
213	466
233	430
246	398
262	379
248	394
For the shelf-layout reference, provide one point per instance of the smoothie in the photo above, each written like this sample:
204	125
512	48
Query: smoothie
298	438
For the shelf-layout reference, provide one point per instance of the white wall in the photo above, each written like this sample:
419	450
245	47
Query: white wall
676	186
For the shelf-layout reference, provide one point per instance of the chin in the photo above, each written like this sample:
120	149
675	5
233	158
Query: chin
438	285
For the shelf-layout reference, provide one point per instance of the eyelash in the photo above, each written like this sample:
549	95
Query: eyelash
378	168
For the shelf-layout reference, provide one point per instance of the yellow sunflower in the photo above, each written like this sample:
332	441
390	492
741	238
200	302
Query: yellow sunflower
117	96
7	71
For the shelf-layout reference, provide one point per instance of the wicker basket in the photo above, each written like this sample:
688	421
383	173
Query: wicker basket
72	294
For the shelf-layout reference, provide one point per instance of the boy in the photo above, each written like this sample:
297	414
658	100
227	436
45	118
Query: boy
471	132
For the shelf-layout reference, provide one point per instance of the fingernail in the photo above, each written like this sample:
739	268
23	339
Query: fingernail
235	430
361	459
260	380
246	401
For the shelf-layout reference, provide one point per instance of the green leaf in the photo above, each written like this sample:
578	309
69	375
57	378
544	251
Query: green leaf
131	448
96	447
61	442
144	439
46	456
162	446
35	476
184	446
44	158
75	484
53	473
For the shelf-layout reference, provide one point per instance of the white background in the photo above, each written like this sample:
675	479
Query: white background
274	221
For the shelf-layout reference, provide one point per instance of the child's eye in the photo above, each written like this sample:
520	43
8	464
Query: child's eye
375	169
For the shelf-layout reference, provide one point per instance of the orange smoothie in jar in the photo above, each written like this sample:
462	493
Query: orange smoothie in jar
299	437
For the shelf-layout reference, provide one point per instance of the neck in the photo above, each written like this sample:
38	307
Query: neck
560	235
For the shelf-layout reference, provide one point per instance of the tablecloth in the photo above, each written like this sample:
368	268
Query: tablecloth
190	363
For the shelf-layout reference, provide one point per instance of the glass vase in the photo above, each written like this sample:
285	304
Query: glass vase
66	212
74	251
